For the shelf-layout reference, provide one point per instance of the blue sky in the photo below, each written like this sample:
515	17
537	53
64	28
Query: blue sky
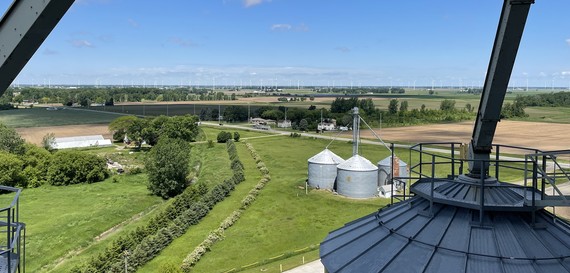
313	42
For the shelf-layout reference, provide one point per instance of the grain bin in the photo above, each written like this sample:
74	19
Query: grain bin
322	169
385	172
357	177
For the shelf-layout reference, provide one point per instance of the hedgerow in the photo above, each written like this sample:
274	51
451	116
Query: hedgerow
141	245
218	234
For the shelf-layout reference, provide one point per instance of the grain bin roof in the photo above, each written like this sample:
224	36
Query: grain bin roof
401	238
357	163
326	157
388	161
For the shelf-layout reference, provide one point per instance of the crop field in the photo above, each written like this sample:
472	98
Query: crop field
38	117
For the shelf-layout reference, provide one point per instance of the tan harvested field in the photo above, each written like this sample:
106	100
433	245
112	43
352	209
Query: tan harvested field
544	136
35	134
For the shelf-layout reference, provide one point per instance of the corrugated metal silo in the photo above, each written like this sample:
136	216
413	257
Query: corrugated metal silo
385	172
322	169
357	177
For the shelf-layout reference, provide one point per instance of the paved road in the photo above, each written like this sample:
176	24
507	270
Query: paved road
312	267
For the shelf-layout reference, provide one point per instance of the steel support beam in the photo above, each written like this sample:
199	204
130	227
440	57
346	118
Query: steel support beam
23	28
507	41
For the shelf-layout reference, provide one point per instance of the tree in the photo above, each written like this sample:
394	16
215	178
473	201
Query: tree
36	164
10	169
224	136
273	114
404	106
74	167
447	105
48	141
393	106
167	167
236	136
120	125
468	107
135	131
303	125
10	141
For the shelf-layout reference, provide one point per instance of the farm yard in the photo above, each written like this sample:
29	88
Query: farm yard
282	219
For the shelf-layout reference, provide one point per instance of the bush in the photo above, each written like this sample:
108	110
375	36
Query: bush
74	167
10	169
236	136
224	136
167	167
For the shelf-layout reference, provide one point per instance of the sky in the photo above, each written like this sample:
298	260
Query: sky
291	42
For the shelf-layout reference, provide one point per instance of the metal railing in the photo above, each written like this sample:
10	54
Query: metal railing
13	249
531	171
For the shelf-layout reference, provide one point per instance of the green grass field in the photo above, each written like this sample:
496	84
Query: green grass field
36	117
62	219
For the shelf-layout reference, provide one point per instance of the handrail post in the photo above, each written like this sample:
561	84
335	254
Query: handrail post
453	160
482	190
497	162
432	184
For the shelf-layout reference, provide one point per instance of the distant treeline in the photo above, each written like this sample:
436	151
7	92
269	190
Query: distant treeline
108	96
559	99
362	90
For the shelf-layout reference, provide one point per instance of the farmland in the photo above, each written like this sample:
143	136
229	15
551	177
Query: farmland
282	219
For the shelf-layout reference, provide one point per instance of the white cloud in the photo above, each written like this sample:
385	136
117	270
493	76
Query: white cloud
565	73
251	3
79	43
342	49
182	42
281	27
568	41
302	28
48	51
289	27
133	23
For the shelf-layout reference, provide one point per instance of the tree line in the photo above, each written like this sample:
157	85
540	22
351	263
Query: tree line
85	96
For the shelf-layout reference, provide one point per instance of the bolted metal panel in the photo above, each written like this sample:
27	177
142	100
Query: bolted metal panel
385	172
322	176
357	177
23	28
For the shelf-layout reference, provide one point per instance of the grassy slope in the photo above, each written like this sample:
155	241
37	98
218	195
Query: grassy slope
61	219
283	218
178	250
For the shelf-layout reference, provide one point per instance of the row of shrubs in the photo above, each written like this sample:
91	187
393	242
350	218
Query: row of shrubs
141	245
218	234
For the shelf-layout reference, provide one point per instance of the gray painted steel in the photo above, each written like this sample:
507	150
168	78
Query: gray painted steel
23	28
401	238
509	33
357	177
385	170
322	169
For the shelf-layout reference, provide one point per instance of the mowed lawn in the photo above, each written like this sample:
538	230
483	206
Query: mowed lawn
214	164
283	218
36	117
179	248
62	219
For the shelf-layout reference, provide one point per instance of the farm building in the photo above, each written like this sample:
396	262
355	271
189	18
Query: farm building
80	142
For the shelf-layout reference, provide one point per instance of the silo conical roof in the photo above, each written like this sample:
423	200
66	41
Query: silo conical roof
388	161
326	157
357	163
